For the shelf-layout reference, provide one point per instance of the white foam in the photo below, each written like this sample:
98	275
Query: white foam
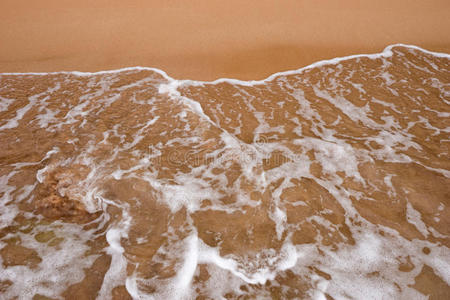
7	212
387	52
12	123
186	272
414	217
49	117
171	89
5	103
285	260
60	267
334	156
116	274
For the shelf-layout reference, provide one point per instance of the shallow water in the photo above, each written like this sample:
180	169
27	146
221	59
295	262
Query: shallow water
329	182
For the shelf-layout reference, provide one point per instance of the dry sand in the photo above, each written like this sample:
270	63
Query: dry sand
208	39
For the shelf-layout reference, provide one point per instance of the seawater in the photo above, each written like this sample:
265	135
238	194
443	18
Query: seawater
327	182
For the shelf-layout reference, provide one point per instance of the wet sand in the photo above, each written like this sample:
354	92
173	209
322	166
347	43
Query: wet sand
209	39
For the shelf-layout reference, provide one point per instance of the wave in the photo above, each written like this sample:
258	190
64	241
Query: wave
327	181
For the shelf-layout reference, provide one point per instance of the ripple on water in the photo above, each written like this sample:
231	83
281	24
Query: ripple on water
331	181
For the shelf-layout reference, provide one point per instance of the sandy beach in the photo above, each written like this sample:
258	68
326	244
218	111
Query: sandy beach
206	40
327	182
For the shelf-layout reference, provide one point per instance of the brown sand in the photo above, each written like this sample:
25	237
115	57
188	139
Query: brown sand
208	39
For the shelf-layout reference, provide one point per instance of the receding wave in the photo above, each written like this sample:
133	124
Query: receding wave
329	182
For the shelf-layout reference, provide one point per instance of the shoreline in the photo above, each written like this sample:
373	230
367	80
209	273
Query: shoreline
386	52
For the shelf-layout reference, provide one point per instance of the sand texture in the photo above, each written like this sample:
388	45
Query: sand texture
205	39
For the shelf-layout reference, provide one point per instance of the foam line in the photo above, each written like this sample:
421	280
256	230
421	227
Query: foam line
385	53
